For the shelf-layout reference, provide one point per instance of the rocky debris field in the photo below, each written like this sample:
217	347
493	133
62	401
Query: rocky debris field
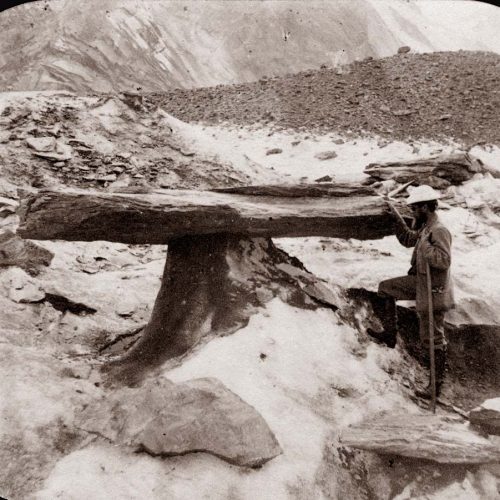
112	141
417	96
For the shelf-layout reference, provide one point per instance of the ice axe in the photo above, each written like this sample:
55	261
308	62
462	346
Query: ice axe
431	337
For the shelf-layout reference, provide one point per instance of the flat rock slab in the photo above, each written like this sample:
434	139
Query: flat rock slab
166	419
155	217
487	416
430	437
438	171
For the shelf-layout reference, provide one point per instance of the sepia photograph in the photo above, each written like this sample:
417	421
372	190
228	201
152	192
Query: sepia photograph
249	250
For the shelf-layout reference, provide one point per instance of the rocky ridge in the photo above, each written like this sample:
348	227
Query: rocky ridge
407	96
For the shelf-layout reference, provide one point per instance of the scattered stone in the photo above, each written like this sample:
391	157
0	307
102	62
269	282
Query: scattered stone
63	152
326	155
166	419
41	144
168	179
295	143
274	151
444	117
339	141
122	182
385	109
325	178
126	310
487	416
59	164
404	49
88	264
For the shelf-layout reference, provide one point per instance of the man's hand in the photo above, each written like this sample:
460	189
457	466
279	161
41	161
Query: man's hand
394	211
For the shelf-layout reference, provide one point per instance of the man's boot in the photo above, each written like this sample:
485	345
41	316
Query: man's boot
440	361
389	321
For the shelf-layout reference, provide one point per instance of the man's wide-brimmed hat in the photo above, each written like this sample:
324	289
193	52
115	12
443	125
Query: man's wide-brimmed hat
422	193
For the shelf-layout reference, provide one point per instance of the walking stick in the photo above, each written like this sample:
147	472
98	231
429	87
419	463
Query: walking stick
431	337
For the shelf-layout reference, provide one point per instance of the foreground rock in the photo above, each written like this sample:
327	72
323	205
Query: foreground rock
169	419
438	171
487	416
341	211
14	251
429	437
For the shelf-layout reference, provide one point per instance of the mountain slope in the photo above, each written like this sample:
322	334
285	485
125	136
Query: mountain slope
114	45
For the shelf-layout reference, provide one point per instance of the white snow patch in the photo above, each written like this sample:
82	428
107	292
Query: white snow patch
297	163
492	404
217	148
288	363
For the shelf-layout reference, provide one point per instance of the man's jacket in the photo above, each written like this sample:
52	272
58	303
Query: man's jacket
432	244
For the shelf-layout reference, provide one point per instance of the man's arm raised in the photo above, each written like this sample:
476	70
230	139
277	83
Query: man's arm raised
406	236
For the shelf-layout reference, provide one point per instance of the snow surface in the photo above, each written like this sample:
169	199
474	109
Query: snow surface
298	162
309	359
492	404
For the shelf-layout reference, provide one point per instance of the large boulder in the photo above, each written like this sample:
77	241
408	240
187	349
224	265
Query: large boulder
168	419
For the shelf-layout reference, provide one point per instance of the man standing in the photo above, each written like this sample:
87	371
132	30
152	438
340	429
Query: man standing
432	242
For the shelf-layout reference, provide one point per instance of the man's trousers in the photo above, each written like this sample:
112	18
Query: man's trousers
405	288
